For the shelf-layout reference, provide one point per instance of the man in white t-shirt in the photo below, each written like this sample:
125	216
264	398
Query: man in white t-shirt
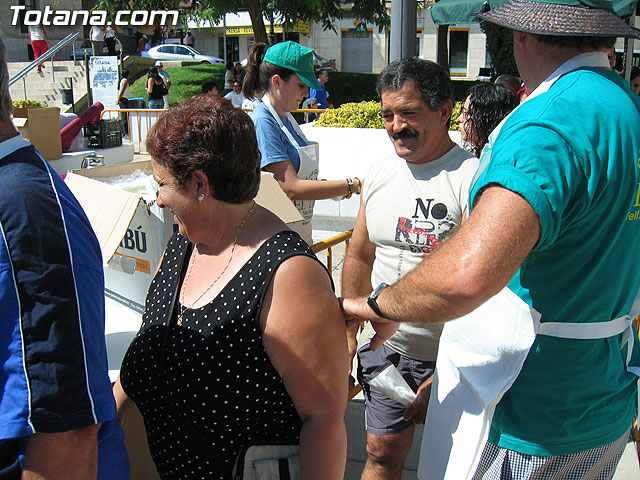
166	79
236	95
410	203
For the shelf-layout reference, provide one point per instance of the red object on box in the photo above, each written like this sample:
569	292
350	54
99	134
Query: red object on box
71	130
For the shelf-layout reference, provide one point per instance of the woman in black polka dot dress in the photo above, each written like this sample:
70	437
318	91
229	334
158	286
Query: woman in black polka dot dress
254	349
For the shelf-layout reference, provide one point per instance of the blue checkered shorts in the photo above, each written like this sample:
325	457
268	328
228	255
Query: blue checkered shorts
596	464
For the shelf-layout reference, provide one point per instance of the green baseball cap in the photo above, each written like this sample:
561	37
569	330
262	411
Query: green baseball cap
295	57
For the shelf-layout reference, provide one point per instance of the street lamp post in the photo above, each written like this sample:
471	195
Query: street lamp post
404	22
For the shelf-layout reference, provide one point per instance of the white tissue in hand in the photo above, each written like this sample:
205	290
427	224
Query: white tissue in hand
388	380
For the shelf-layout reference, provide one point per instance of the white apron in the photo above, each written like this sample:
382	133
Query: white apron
477	365
309	164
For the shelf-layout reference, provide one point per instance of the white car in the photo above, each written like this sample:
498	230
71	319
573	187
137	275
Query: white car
184	53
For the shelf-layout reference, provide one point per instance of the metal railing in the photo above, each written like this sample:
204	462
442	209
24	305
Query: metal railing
144	120
49	54
146	117
329	243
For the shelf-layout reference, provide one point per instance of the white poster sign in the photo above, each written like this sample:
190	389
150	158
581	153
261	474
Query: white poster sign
103	78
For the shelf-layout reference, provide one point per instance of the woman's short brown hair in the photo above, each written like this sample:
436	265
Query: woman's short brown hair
209	134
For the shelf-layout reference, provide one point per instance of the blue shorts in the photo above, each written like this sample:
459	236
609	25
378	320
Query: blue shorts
383	416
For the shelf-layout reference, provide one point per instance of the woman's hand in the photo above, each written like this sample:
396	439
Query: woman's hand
299	189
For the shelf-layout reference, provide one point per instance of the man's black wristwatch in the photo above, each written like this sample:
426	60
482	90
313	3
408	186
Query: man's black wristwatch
372	300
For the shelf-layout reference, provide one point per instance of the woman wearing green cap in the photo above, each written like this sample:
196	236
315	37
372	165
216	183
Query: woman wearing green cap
284	72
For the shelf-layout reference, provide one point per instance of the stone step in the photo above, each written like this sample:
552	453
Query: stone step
46	87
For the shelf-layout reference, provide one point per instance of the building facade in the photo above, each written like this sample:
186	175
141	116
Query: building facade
354	46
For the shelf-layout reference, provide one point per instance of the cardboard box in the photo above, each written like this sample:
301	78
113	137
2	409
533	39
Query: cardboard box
133	233
41	126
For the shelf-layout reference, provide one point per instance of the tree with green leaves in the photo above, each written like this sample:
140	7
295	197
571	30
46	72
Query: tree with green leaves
500	48
325	12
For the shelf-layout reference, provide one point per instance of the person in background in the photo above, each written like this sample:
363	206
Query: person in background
634	79
211	88
189	40
143	43
235	96
252	103
110	35
539	379
239	72
237	360
39	42
512	82
523	93
123	92
320	94
123	100
57	412
167	81
97	35
156	89
484	108
229	78
284	72
611	55
312	104
157	37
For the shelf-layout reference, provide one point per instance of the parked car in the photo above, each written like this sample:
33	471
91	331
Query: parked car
78	53
323	63
184	53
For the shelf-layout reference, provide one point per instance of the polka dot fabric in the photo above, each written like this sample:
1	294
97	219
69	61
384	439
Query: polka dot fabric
217	378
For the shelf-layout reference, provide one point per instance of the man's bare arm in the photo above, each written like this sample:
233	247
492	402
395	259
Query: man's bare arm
475	264
71	455
356	273
358	262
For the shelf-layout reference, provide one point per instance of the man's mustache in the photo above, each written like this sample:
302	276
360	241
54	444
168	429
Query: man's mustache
404	133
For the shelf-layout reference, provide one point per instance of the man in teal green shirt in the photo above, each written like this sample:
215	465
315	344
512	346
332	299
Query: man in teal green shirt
555	220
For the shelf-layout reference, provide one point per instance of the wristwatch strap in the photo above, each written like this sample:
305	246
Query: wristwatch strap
372	300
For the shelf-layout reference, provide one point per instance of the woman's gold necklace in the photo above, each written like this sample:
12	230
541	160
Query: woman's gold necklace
183	308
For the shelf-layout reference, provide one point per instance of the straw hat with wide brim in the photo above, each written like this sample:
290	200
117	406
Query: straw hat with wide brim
562	17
